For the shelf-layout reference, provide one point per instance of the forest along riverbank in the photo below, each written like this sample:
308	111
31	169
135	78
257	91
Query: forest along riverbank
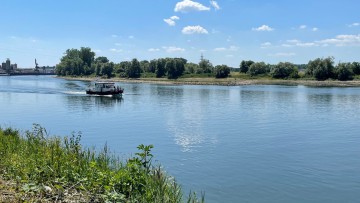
227	81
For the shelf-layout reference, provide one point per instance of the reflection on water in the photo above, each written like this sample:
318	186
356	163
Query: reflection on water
185	119
87	103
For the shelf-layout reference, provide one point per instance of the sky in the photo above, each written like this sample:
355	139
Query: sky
223	31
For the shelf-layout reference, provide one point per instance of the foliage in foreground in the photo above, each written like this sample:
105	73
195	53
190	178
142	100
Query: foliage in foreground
49	169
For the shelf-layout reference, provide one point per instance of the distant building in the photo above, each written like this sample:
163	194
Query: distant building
8	67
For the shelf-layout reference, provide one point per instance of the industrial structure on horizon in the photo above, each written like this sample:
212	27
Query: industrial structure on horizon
12	69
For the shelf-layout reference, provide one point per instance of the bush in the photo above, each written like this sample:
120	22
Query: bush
356	68
344	71
257	69
222	71
321	69
245	65
284	70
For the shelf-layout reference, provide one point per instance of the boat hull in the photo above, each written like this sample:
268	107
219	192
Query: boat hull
104	93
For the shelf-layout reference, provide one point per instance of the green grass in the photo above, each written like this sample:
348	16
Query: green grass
43	168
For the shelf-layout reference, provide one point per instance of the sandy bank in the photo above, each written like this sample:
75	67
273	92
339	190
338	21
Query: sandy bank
228	81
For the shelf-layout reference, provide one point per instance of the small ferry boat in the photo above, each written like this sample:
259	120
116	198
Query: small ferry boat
105	88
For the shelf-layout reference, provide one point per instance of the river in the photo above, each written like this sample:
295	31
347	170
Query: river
252	143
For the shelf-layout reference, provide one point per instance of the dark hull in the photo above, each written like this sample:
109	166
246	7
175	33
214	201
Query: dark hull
105	93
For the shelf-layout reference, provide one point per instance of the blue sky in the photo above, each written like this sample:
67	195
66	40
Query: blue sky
224	31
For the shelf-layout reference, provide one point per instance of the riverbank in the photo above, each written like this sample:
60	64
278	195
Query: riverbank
229	81
36	167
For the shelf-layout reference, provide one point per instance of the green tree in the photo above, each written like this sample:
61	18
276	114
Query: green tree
134	71
222	71
87	56
284	70
160	68
180	66
107	69
356	68
191	67
321	69
170	68
257	69
245	65
152	66
205	66
101	59
144	64
122	68
344	71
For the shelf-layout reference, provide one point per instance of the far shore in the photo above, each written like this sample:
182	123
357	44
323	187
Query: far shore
226	81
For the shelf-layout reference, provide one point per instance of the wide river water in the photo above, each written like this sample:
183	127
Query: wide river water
237	144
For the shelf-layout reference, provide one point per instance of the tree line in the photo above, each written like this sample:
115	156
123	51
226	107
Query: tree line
82	62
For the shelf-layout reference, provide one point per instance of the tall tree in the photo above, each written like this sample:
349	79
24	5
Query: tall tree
245	65
160	67
284	70
222	71
134	71
87	56
170	68
321	68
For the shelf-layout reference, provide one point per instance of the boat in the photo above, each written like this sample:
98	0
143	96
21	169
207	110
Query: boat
105	88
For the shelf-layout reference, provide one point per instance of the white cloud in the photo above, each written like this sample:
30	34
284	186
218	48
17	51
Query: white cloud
315	29
174	18
114	36
293	41
354	25
302	26
215	5
342	40
153	50
283	54
194	30
188	5
131	37
171	21
116	50
231	48
266	45
173	49
298	43
219	49
263	28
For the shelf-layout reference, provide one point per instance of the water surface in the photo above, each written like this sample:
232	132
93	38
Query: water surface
238	144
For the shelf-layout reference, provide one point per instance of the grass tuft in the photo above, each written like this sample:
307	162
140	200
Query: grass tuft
36	167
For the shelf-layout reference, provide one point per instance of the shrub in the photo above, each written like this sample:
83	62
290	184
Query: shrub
222	71
356	68
245	65
321	69
284	70
344	71
257	69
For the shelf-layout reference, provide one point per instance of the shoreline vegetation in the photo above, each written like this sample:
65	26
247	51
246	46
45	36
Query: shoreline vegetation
36	167
230	81
81	64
